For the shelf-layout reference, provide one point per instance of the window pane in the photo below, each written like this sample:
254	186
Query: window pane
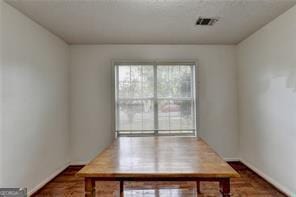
163	80
136	115
186	114
135	81
148	81
175	114
174	81
123	81
164	114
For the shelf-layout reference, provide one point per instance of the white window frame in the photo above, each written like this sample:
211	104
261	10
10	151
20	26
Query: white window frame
195	95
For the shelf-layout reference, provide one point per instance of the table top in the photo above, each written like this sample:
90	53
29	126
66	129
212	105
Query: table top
158	157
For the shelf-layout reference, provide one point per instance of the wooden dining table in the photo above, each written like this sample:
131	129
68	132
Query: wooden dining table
158	159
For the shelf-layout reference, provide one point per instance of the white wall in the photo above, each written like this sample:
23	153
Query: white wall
92	98
267	101
35	105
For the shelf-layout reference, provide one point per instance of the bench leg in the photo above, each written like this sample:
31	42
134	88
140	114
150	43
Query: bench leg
89	187
121	188
198	187
225	187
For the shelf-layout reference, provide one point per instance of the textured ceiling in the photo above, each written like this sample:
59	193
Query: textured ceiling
151	21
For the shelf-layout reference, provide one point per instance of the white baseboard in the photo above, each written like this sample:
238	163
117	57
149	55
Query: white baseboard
229	159
48	179
276	184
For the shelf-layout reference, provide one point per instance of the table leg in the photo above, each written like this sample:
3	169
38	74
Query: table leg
225	187
121	188
198	187
89	187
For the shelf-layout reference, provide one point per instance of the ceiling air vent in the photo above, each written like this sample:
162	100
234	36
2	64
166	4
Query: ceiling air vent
206	21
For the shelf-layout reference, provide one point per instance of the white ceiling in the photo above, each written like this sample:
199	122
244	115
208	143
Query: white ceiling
151	21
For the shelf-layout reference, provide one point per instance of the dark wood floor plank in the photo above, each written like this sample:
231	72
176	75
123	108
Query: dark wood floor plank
248	185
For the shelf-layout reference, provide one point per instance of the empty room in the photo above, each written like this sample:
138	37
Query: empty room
148	98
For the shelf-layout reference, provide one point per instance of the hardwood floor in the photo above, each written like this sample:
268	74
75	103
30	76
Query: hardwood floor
248	185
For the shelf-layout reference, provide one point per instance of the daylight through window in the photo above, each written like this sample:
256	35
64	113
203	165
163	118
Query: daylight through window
155	98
